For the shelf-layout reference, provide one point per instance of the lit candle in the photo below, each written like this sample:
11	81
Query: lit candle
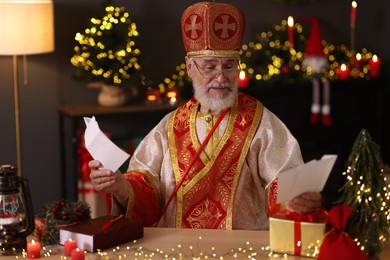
358	62
33	249
172	97
290	23
243	80
77	254
375	65
153	96
172	101
69	246
343	72
353	14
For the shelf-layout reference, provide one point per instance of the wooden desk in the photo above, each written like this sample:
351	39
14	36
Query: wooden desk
134	119
194	243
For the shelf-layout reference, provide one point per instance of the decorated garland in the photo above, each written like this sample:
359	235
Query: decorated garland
55	214
270	59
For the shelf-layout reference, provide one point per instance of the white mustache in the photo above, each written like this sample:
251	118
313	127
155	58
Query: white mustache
214	84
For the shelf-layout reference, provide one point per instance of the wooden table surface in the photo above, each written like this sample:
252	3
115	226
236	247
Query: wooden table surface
172	243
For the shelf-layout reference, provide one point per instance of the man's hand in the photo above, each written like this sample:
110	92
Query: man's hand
305	203
107	181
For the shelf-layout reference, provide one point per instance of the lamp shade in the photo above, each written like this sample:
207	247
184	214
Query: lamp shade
26	27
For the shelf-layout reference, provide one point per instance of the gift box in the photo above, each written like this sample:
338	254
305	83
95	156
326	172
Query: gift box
300	236
100	203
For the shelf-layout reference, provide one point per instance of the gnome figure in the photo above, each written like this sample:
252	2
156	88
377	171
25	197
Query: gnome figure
316	64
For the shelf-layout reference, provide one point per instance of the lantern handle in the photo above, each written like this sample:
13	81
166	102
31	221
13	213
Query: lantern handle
29	207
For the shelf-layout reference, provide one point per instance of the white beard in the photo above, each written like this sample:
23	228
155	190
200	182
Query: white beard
316	63
218	103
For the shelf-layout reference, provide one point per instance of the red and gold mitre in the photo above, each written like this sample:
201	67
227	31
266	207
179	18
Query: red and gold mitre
212	29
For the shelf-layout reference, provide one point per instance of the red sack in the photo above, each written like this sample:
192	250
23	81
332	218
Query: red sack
337	244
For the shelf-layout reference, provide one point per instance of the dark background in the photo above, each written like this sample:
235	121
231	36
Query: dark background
354	104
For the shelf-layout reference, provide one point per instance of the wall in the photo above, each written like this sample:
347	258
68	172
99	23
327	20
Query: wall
50	75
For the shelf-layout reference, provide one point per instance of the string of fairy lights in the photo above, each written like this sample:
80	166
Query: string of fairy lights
196	251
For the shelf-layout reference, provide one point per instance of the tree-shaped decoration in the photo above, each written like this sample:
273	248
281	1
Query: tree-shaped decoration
366	192
106	51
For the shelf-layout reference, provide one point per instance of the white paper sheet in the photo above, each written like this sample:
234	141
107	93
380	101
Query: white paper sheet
101	147
308	177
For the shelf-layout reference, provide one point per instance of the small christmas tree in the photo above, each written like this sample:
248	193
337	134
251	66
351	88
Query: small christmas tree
106	51
366	192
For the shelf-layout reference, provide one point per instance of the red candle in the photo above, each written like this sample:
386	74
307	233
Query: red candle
69	246
353	14
78	254
375	65
290	23
343	72
358	62
33	249
243	80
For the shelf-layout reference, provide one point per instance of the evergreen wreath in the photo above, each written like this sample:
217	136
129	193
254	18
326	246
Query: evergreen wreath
55	214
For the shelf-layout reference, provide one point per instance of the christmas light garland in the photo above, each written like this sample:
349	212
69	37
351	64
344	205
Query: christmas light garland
271	59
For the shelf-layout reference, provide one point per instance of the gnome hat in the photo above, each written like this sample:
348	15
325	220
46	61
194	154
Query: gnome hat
314	46
212	29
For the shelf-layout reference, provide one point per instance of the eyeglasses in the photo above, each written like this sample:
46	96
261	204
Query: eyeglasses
212	73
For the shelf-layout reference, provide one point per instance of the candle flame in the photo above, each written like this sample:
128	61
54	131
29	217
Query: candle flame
343	67
290	21
242	75
33	242
152	98
375	58
171	94
354	4
358	56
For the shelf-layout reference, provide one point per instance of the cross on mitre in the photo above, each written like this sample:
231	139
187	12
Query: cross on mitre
225	26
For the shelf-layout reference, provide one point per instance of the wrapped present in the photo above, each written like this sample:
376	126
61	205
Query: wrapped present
100	203
295	234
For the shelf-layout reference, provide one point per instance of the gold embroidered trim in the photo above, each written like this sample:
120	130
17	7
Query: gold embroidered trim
130	202
214	53
209	162
175	166
254	126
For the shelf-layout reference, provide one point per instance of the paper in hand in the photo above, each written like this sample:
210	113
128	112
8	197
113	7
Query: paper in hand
308	177
101	147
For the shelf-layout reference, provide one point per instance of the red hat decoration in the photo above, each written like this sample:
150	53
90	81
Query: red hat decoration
212	29
314	45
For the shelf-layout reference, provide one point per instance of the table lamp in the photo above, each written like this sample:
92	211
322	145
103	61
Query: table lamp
27	27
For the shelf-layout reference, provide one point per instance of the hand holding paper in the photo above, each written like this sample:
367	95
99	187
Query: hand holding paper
101	147
309	177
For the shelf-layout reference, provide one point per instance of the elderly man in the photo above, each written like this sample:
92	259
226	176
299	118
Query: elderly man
213	162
